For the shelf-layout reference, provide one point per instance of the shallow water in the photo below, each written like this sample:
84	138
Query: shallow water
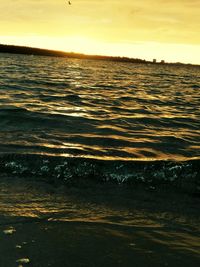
105	226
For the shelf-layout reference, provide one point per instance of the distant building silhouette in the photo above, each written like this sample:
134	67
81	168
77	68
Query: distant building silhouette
162	61
154	60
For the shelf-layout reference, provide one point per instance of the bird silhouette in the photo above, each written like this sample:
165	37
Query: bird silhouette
69	2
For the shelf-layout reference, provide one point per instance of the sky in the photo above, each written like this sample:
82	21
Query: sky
162	29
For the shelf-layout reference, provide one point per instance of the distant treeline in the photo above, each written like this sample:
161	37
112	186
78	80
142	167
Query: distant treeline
54	53
28	51
45	52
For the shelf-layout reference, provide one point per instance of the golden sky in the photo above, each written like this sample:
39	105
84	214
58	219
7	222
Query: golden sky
147	29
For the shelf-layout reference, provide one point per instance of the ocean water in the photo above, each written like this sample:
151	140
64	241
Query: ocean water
71	118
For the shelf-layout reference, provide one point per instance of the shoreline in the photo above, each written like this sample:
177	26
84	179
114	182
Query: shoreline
26	50
97	225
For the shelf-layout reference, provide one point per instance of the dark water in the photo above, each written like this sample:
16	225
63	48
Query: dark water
88	117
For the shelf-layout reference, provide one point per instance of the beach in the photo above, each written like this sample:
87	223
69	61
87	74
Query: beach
55	225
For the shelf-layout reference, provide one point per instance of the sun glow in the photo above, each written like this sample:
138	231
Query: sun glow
169	52
146	29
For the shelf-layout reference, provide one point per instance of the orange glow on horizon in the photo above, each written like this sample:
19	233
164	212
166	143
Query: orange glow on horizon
143	29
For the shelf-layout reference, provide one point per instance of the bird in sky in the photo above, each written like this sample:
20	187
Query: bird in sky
69	2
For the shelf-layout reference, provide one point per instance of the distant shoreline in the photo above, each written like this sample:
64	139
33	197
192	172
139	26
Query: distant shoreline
24	50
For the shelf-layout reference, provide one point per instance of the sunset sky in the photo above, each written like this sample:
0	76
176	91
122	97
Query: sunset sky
146	29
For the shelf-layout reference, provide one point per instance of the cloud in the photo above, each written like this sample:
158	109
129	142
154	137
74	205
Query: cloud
175	21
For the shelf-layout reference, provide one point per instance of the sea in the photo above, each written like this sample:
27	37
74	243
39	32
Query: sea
76	120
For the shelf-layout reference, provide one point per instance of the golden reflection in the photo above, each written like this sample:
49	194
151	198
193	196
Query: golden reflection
25	200
111	158
69	111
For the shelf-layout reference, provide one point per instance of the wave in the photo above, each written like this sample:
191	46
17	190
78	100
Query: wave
78	171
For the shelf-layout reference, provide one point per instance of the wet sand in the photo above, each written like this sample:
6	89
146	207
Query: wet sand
96	225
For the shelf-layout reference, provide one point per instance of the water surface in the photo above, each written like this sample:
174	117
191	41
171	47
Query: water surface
68	118
98	109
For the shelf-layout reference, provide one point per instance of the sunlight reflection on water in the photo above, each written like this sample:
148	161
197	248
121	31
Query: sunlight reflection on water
98	109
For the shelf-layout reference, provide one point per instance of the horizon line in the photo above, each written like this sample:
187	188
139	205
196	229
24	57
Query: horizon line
30	50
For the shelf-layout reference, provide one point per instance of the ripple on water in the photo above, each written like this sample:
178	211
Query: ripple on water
98	108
